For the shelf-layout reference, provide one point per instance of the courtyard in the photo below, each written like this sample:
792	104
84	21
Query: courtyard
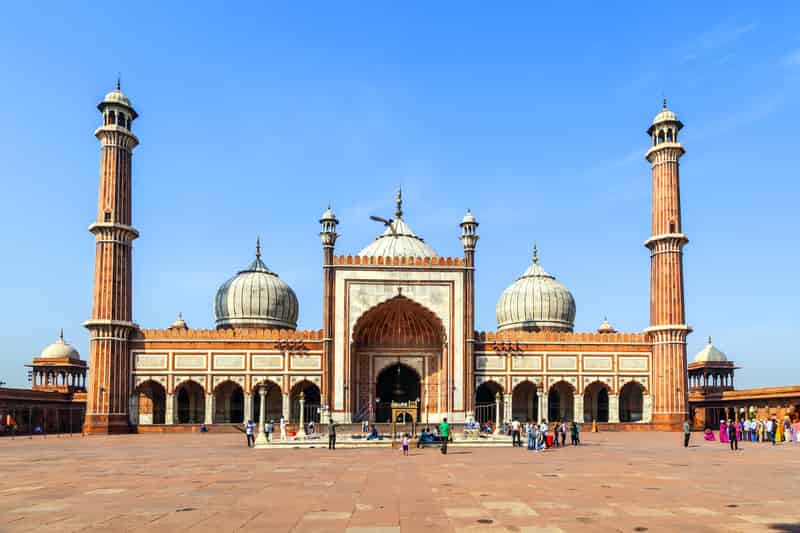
211	482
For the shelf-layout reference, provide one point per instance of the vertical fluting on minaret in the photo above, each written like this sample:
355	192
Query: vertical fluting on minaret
469	238
668	329
111	322
328	236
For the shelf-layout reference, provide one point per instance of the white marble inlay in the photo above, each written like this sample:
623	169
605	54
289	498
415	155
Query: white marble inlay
150	361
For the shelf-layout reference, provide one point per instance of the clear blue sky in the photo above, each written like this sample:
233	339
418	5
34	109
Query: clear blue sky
254	117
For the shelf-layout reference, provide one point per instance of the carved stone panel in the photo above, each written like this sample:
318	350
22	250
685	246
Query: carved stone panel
267	362
490	362
228	362
628	364
190	362
562	362
526	362
150	361
597	363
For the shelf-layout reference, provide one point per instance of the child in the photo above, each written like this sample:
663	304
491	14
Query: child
405	444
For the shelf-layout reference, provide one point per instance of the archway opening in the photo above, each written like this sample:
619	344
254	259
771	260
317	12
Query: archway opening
311	403
397	383
486	402
228	403
631	402
152	401
595	402
525	402
560	402
273	402
191	403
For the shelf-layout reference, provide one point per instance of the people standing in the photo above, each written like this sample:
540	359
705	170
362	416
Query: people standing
515	438
575	433
331	434
732	435
283	428
270	429
687	433
248	430
444	433
563	434
723	432
530	435
405	444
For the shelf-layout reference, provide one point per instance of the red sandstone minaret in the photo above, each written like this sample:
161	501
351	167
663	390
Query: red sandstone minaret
469	238
668	329
111	322
327	235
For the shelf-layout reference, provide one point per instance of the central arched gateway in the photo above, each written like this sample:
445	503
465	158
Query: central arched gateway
397	350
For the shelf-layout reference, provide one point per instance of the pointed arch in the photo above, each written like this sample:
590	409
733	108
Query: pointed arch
399	321
561	401
596	402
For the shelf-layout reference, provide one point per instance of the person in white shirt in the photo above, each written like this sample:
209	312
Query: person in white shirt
515	438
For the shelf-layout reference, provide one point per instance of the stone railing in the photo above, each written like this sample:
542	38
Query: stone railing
399	261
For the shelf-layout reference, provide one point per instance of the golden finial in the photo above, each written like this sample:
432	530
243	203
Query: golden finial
399	212
119	85
61	335
258	247
535	254
665	101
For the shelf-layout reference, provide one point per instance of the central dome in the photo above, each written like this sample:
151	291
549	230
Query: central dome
256	297
397	240
536	301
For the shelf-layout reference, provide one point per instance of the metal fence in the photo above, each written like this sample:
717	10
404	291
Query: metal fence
30	421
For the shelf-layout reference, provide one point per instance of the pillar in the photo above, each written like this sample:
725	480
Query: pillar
647	408
287	407
507	414
498	423
613	408
543	407
577	408
248	406
261	437
169	409
209	416
301	431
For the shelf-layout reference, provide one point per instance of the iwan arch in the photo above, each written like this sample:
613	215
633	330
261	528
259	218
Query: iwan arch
397	326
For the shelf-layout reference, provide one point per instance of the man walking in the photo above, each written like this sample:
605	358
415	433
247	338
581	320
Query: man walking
687	432
248	430
515	437
732	436
444	433
331	434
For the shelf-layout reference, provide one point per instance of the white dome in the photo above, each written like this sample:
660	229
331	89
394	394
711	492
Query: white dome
256	297
60	350
536	301
710	354
398	241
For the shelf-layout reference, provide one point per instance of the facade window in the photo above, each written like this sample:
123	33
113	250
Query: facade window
107	216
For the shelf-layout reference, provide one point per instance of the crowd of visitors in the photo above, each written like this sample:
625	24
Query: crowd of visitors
768	430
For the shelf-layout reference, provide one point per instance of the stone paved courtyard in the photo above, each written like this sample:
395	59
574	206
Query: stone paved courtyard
207	482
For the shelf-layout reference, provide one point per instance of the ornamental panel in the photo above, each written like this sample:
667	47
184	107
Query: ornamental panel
306	362
267	362
190	362
598	363
154	361
229	361
562	362
526	362
627	364
490	362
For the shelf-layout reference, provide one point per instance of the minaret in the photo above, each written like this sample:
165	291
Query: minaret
328	236
668	328
469	238
111	323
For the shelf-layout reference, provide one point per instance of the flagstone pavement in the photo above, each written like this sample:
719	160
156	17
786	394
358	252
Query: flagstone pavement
206	482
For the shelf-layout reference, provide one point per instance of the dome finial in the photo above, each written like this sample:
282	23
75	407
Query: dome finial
535	254
119	78
399	212
61	335
665	101
709	339
258	247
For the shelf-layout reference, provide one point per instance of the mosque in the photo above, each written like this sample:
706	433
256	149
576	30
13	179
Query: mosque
397	329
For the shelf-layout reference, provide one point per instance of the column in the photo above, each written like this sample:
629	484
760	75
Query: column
248	406
647	408
613	408
301	431
577	408
169	409
261	437
209	418
507	406
542	405
498	423
287	408
133	409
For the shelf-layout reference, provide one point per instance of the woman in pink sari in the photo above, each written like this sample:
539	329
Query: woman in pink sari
708	435
723	431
